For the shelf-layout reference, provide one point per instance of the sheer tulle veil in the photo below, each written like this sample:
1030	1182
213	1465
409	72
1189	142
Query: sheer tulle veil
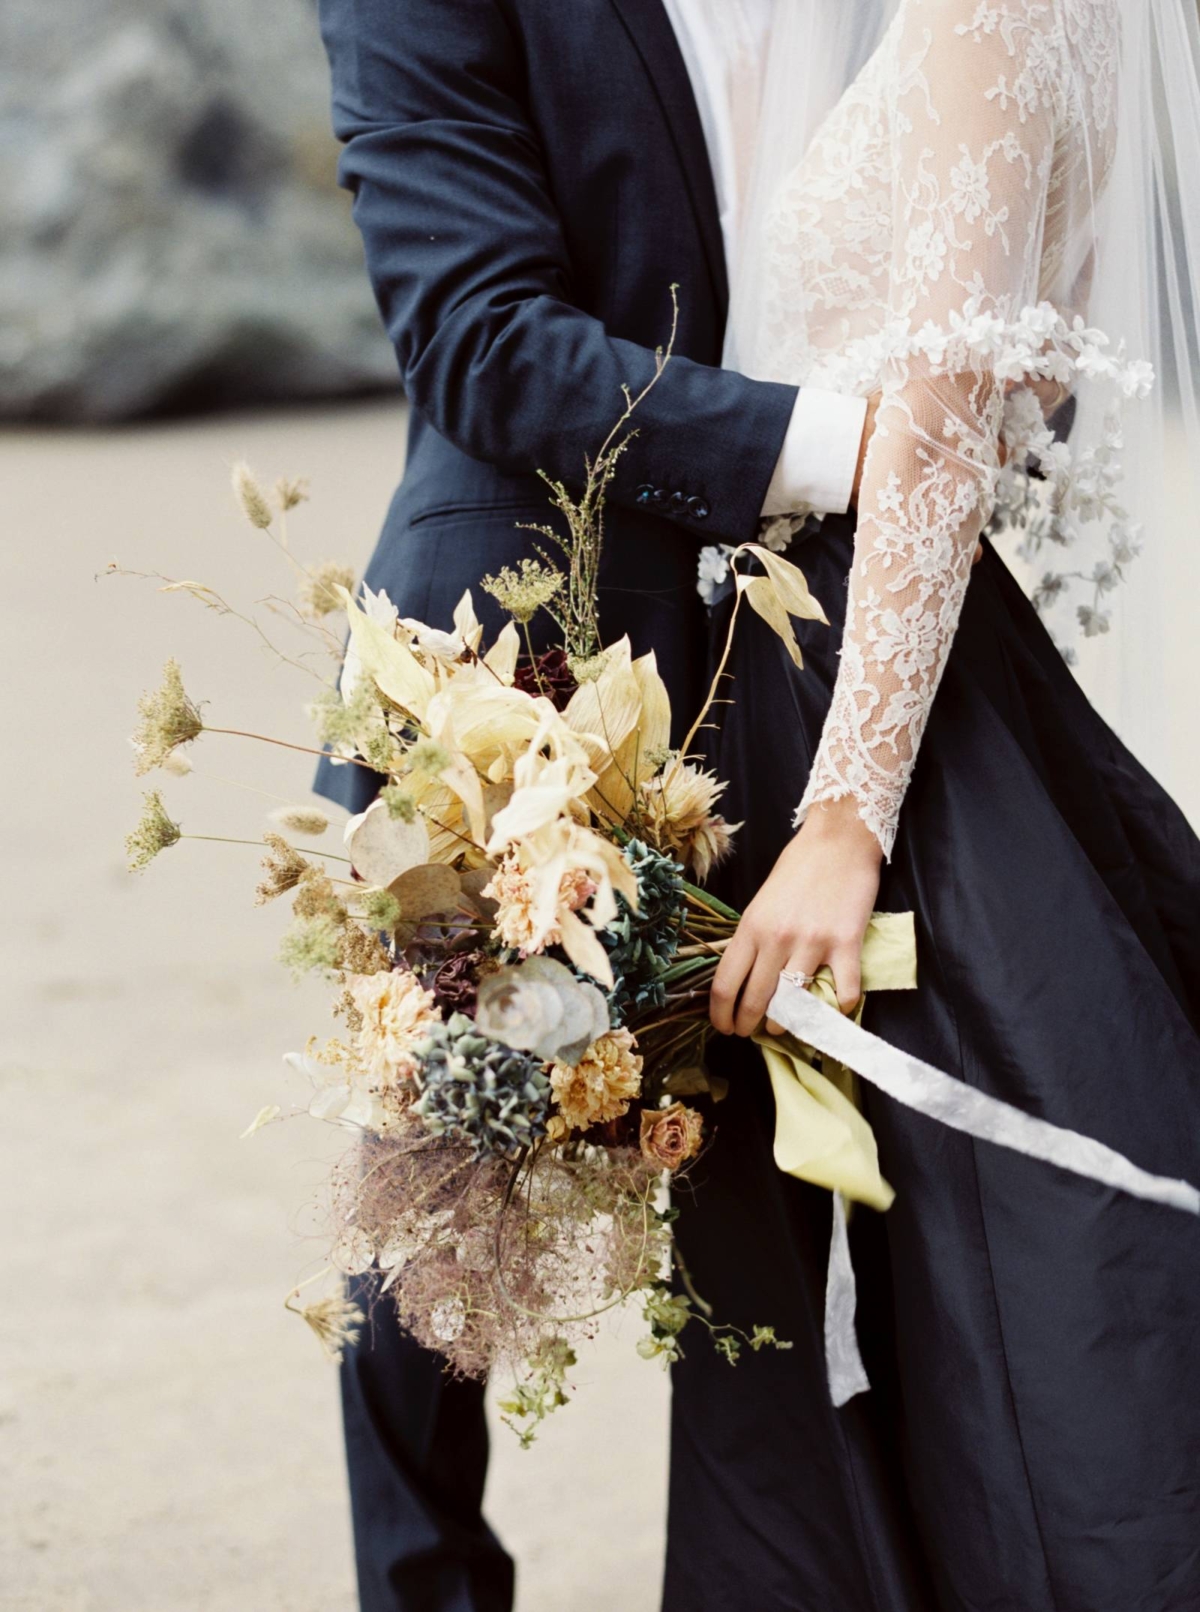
1117	596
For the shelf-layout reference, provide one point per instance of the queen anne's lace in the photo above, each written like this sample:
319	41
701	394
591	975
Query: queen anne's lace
929	246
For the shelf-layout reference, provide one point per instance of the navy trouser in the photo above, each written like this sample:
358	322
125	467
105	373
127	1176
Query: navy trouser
417	1449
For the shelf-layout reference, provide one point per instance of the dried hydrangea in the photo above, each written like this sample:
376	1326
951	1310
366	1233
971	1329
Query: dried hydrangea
168	719
601	1086
480	1091
155	832
319	588
523	593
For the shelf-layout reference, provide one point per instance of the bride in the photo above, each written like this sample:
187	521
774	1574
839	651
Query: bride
979	209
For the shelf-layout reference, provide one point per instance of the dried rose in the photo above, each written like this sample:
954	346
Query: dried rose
671	1136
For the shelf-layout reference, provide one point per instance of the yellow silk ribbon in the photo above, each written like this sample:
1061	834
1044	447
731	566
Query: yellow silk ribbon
820	1133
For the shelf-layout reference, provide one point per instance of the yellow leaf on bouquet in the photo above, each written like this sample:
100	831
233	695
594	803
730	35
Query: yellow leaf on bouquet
481	717
626	714
635	758
761	596
467	623
391	665
582	946
607	707
502	657
534	806
790	585
462	778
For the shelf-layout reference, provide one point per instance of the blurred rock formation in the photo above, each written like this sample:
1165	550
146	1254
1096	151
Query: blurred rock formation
171	233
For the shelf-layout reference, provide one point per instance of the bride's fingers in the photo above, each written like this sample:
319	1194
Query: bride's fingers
846	963
727	982
758	991
803	966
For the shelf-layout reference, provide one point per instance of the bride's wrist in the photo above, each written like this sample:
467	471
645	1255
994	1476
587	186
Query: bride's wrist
838	821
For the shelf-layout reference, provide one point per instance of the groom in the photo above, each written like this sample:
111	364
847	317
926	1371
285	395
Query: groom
530	177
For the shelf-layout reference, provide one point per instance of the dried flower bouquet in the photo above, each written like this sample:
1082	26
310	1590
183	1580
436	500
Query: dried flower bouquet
522	950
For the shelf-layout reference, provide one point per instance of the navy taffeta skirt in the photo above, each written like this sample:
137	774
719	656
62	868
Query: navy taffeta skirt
1031	1441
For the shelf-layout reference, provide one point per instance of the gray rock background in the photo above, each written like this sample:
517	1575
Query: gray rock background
171	233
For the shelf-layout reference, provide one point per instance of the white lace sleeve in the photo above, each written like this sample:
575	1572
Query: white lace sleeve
974	108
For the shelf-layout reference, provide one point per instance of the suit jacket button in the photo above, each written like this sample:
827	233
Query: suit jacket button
645	493
697	509
659	495
679	503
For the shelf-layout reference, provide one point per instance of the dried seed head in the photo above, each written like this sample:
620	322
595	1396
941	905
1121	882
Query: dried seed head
335	1321
308	820
155	832
524	593
169	719
401	806
380	909
316	897
311	944
318	589
250	496
429	757
341	722
289	492
284	868
362	953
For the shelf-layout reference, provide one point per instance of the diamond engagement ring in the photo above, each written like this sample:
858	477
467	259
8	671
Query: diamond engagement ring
792	977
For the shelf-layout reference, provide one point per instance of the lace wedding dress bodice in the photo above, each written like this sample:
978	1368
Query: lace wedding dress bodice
935	244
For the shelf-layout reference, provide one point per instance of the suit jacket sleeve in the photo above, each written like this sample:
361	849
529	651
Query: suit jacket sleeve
467	260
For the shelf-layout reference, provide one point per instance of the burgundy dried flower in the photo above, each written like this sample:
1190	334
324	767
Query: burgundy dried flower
552	677
456	983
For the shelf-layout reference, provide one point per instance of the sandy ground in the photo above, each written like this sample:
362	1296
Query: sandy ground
169	1436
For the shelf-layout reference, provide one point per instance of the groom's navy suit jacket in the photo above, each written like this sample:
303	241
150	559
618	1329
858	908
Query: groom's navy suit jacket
530	178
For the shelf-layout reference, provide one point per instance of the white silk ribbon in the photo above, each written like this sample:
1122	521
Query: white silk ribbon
918	1085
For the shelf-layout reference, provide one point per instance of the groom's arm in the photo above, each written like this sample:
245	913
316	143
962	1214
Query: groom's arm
466	255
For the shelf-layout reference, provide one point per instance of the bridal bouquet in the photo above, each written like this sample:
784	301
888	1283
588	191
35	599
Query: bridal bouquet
520	952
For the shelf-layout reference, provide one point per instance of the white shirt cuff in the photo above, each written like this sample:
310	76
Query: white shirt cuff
820	454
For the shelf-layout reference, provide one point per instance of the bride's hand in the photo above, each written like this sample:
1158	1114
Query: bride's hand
813	909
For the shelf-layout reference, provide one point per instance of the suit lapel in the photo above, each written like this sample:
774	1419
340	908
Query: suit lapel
649	26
